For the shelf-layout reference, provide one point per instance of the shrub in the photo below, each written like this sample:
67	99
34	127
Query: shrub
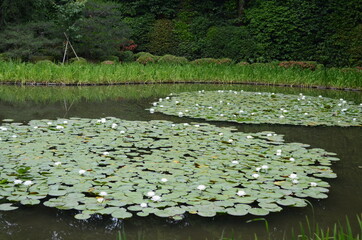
78	60
145	59
44	62
127	56
108	62
201	61
295	64
243	63
36	59
171	59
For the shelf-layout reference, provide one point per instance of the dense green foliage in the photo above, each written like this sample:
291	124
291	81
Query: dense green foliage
325	31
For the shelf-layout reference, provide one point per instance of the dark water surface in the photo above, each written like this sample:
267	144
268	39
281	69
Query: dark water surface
129	102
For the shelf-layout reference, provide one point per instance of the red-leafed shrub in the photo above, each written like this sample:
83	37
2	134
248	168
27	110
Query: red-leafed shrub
128	46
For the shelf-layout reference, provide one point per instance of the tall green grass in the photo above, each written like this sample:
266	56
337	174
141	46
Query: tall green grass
306	231
79	74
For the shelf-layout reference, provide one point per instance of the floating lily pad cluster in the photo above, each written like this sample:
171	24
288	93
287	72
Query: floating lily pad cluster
117	167
257	107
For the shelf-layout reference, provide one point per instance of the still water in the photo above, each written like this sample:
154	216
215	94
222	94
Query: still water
129	102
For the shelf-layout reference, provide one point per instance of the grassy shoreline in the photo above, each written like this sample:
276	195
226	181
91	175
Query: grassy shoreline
44	73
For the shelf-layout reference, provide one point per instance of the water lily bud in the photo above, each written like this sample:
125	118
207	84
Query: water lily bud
28	183
293	176
17	181
151	194
313	184
241	193
156	198
164	180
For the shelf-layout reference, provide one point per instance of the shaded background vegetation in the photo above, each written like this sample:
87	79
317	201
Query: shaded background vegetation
326	31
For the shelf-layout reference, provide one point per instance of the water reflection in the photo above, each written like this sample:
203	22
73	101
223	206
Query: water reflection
129	102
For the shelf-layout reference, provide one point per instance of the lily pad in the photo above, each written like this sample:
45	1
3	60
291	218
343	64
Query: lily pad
261	107
156	167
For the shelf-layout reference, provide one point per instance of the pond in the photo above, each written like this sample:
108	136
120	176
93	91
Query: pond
129	102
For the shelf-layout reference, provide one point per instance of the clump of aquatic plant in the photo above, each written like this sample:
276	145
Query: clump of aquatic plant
257	107
117	167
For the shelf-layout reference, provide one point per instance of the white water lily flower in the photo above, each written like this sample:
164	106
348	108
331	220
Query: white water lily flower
161	106
180	114
255	175
235	162
143	205
313	184
152	110
103	194
269	135
14	136
106	153
154	104
220	134
241	193
285	111
230	140
293	176
65	121
201	187
281	116
100	200
160	99
209	107
186	110
57	163
28	183
103	120
197	125
320	96
81	172
3	128
173	125
295	181
17	181
49	123
354	119
249	137
35	127
114	125
164	180
177	102
265	167
221	115
156	198
257	169
339	104
241	111
151	194
122	132
291	159
59	127
344	109
167	98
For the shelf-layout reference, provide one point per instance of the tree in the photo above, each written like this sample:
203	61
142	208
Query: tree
100	31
